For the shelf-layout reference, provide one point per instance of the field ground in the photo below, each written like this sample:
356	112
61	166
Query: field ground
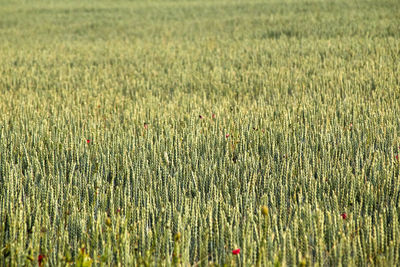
153	132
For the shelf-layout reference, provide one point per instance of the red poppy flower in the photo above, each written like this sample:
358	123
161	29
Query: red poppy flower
200	117
88	141
40	259
344	216
213	116
227	135
236	251
397	157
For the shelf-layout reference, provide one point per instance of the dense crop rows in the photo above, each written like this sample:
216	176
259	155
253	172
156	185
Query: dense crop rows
154	132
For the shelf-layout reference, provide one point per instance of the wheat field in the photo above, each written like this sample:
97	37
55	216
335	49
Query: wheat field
200	133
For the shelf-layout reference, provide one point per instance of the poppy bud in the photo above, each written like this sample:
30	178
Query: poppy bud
108	222
264	210
177	236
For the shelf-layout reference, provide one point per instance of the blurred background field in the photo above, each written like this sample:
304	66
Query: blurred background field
153	133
